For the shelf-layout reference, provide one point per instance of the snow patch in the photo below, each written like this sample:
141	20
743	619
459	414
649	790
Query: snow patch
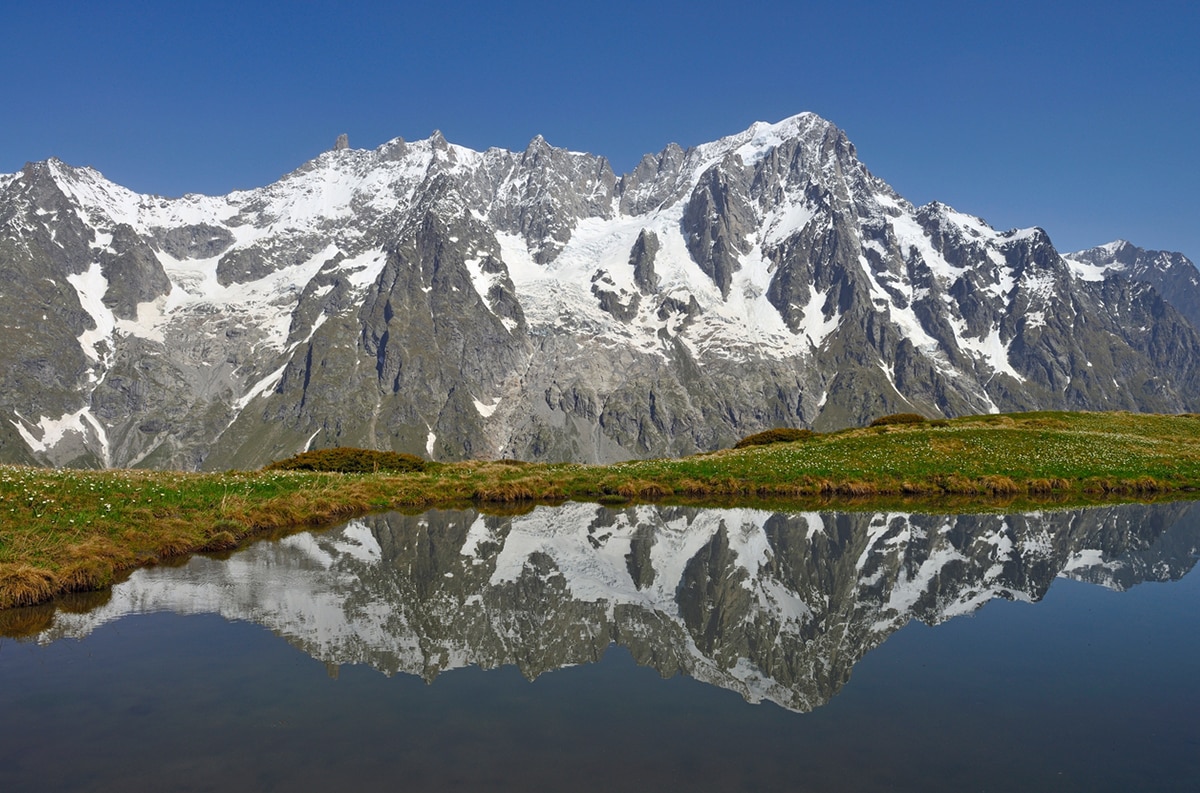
814	324
90	286
789	219
53	430
1080	560
909	234
816	525
484	409
149	323
358	542
992	351
264	385
1086	271
363	270
907	590
476	534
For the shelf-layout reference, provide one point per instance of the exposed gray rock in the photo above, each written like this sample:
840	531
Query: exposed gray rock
717	222
199	241
655	183
392	151
134	273
641	259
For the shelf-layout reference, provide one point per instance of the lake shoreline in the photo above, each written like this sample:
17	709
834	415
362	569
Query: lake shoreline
74	531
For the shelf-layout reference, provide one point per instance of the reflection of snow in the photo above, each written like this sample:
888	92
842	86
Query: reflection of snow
446	589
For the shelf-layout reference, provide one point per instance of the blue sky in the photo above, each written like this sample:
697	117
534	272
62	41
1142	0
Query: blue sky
1078	117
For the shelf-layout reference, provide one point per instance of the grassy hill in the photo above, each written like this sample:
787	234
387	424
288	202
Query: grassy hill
75	530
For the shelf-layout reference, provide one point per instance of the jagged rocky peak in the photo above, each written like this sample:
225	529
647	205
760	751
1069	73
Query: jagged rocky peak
394	149
718	221
537	149
795	152
543	194
1124	255
1172	275
655	183
1118	251
342	142
40	186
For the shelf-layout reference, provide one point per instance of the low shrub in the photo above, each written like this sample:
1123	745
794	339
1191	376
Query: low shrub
855	488
221	541
999	485
777	435
505	493
24	585
639	489
348	460
1047	424
898	418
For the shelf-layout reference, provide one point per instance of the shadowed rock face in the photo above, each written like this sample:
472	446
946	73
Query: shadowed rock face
774	606
427	298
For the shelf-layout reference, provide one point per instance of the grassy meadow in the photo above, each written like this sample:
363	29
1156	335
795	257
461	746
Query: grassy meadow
78	530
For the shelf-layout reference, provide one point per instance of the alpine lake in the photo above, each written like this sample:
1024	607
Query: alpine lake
586	648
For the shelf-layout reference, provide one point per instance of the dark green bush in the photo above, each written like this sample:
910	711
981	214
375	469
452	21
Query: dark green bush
898	418
347	460
777	435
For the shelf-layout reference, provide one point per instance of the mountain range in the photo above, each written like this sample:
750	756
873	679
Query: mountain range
427	298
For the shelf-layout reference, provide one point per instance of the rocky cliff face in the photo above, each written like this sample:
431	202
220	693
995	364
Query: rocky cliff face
775	606
428	298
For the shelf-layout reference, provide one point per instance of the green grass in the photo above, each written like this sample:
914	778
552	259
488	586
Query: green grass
74	530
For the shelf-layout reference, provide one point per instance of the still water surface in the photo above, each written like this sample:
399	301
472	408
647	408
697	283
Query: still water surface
663	648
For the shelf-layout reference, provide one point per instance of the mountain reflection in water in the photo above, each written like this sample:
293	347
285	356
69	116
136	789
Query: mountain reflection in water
774	606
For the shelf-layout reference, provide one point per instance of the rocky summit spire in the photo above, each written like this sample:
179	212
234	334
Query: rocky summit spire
342	142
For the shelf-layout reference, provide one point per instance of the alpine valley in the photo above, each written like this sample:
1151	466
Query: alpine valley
426	298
